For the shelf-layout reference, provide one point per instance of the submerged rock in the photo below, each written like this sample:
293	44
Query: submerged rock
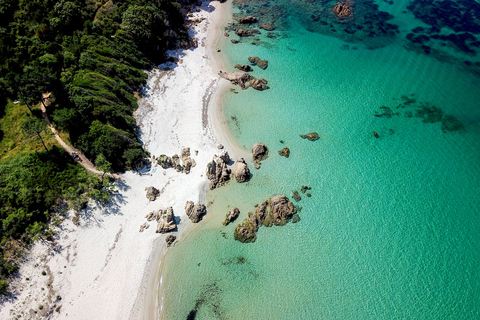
312	136
296	196
231	216
195	212
152	193
256	61
246	232
246	33
450	123
259	84
266	26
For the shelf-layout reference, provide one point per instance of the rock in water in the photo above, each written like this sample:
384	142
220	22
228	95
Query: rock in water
231	216
152	193
239	77
242	173
243	67
259	84
259	151
343	9
256	61
285	152
164	161
195	212
312	136
246	232
266	26
247	20
281	209
296	196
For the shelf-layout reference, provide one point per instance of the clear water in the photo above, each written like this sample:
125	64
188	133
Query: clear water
392	228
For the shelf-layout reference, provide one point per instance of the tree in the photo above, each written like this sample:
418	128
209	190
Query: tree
102	164
33	126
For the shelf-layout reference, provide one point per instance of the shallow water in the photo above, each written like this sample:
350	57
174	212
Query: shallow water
391	229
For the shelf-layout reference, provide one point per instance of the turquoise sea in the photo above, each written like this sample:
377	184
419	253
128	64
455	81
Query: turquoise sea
392	229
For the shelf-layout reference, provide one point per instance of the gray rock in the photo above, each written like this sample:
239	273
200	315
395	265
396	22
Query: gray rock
165	220
259	151
231	216
242	173
217	171
195	212
152	193
281	209
164	161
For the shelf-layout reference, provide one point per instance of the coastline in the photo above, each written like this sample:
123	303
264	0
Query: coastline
93	269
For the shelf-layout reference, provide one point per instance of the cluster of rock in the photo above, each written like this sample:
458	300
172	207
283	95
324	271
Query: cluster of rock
165	220
246	33
256	61
218	171
285	152
247	20
244	80
195	211
184	165
231	216
278	210
259	153
243	67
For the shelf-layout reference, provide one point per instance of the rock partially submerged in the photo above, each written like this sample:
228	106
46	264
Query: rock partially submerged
266	26
195	212
243	67
285	152
231	216
343	9
247	20
170	239
256	61
276	211
242	173
259	153
217	171
246	33
312	136
152	193
244	80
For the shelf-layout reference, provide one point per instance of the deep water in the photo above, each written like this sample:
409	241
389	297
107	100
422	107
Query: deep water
392	228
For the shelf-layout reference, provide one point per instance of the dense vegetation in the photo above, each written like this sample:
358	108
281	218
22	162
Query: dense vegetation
90	56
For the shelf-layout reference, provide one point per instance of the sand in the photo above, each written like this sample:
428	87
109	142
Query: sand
105	268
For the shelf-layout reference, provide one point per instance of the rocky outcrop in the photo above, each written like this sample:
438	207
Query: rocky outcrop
240	77
152	193
285	152
247	20
242	173
343	9
266	26
246	33
243	67
188	162
278	210
164	161
312	136
231	216
165	220
256	61
217	171
195	212
176	163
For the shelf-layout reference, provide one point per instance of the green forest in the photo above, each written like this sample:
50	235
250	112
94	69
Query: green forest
90	56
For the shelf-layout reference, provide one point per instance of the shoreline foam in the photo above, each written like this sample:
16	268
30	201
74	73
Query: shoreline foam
95	267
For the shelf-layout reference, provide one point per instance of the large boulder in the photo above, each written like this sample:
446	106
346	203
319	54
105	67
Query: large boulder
259	84
259	151
195	212
239	77
231	216
152	193
164	161
256	61
217	171
242	173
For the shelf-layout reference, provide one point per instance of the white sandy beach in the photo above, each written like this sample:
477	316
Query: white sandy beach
105	268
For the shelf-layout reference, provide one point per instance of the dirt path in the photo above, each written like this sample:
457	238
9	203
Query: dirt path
75	153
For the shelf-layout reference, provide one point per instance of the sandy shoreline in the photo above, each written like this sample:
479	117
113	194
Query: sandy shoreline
104	268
